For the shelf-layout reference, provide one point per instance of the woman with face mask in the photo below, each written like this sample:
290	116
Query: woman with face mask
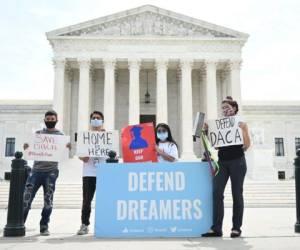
89	175
166	147
232	165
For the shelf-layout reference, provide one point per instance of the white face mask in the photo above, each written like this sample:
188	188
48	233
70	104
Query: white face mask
162	136
96	123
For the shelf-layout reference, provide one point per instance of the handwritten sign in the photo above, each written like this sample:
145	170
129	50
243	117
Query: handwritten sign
153	200
47	147
97	144
225	132
138	143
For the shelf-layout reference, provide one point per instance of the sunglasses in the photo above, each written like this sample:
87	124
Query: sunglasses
161	131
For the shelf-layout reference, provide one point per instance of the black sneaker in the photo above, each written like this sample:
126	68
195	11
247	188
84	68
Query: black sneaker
212	233
235	233
44	231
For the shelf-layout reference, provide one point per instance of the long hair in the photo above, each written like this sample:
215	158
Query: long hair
166	127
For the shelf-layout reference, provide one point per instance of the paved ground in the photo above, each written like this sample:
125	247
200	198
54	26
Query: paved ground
264	228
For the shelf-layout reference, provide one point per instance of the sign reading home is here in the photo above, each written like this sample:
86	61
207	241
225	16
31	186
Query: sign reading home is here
225	132
153	200
97	144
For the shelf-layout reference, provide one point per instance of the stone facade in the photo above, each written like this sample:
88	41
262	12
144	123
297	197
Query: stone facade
102	64
185	64
18	119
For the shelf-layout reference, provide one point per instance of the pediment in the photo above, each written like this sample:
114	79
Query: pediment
147	21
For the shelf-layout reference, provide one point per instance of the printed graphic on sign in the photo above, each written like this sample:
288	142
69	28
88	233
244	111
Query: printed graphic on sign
153	200
225	132
138	143
47	147
97	144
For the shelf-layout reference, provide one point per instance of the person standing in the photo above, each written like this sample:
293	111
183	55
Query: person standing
89	175
166	147
44	173
232	165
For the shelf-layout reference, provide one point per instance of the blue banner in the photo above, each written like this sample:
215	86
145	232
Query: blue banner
153	200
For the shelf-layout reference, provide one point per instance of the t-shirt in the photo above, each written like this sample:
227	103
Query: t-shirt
89	168
45	166
231	152
169	148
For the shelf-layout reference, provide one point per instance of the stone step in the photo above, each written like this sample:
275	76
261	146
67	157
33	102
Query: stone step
256	194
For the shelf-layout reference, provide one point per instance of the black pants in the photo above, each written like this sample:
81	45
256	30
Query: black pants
236	170
88	191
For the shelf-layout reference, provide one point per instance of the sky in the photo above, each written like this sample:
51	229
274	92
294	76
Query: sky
270	70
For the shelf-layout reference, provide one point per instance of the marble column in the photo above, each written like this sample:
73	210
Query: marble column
83	95
211	90
187	151
161	91
59	89
134	91
235	82
109	93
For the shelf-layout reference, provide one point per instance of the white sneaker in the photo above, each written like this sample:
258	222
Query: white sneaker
83	230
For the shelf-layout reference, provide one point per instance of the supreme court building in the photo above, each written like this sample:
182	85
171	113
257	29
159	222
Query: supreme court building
145	64
150	64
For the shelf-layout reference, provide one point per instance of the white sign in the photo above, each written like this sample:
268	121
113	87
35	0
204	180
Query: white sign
97	144
47	147
225	132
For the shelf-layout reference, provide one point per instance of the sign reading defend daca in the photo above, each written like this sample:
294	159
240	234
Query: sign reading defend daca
225	132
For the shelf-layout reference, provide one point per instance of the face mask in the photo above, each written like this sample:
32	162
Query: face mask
162	136
96	123
50	124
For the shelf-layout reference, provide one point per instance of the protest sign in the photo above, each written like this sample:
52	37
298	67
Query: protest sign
225	132
47	147
97	144
138	143
153	200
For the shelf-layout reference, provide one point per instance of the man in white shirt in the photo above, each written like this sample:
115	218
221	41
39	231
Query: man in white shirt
89	175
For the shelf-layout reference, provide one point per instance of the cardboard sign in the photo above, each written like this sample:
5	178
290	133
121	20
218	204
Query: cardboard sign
225	132
153	200
47	147
97	144
138	143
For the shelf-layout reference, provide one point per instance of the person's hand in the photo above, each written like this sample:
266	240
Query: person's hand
158	150
25	146
84	159
243	126
69	145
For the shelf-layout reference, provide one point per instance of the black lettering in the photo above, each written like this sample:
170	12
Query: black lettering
226	137
86	138
213	138
238	137
220	137
218	123
108	136
91	151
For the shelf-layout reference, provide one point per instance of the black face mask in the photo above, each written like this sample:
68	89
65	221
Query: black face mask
50	124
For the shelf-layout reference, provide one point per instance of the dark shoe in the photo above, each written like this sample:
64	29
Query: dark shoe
235	233
44	231
212	233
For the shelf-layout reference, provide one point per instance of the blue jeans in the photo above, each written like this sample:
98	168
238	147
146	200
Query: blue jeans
34	181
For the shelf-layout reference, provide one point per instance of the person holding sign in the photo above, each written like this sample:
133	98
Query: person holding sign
166	147
89	175
44	173
232	164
